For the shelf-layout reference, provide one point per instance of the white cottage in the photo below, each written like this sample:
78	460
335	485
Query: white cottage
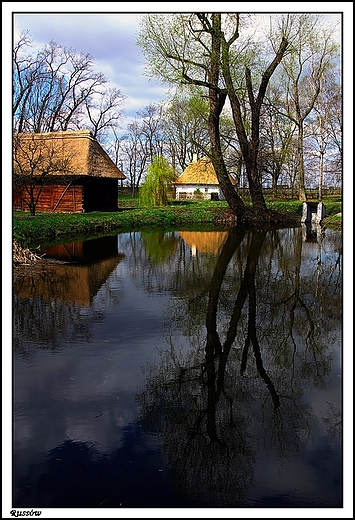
199	180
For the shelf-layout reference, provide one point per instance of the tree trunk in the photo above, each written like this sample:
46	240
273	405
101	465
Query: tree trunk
255	187
301	187
250	148
320	181
217	99
32	209
233	199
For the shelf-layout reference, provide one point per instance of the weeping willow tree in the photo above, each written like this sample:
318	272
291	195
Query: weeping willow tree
154	191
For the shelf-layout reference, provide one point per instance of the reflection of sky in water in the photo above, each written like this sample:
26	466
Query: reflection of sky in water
85	393
101	375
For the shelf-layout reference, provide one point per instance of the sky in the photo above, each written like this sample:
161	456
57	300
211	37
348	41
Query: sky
109	36
109	39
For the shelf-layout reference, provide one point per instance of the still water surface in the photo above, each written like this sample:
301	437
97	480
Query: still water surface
181	369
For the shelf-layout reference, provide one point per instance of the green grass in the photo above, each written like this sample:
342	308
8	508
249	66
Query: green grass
46	228
126	200
334	222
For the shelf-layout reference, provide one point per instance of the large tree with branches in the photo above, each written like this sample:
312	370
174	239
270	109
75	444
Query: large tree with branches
182	52
200	49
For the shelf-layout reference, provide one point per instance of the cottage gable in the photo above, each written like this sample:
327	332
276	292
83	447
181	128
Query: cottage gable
199	172
199	175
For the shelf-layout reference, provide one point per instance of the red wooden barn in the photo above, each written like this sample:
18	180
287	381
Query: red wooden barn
70	169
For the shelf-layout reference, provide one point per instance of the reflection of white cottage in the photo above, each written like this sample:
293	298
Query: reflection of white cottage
199	180
204	241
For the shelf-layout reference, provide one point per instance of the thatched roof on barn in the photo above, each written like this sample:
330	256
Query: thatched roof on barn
204	241
72	153
200	172
66	282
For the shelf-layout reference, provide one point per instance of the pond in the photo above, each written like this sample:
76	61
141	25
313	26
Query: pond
181	369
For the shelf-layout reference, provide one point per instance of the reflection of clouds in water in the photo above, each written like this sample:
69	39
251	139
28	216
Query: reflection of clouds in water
79	386
305	475
23	431
105	433
96	373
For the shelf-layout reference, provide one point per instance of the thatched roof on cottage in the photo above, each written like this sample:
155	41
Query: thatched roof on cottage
204	241
200	172
63	153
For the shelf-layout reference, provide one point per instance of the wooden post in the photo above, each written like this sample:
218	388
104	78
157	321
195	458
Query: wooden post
62	195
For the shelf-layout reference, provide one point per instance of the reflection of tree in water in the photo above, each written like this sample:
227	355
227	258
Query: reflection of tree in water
333	421
49	325
216	408
204	429
144	267
159	246
176	404
301	308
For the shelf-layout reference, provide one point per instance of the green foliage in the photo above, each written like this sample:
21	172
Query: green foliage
332	206
154	191
285	206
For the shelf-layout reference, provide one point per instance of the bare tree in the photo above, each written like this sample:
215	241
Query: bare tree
249	145
134	154
58	89
25	76
114	147
312	51
104	111
325	132
276	142
152	129
145	139
186	128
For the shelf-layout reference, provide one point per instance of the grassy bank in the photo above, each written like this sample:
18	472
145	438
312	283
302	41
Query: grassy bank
334	222
51	227
46	228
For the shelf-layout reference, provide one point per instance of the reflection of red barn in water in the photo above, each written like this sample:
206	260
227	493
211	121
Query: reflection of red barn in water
91	263
204	241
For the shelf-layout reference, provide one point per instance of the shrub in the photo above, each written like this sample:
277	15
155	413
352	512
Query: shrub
154	191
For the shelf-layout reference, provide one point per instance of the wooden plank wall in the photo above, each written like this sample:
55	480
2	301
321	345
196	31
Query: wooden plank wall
58	198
